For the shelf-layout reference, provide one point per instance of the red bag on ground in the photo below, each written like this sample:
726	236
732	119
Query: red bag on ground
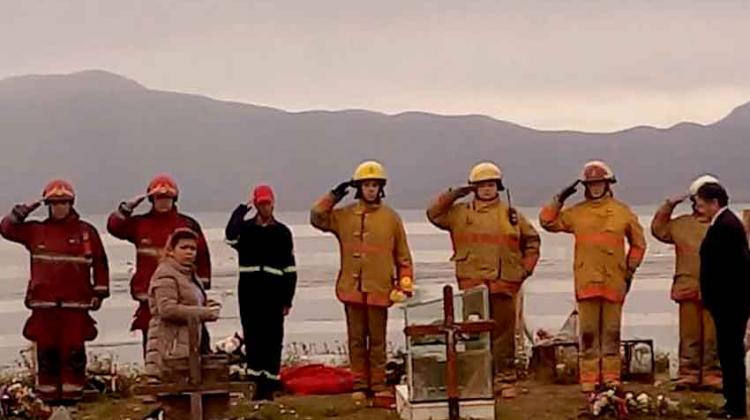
317	379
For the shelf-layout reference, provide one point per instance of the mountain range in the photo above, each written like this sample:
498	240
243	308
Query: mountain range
110	135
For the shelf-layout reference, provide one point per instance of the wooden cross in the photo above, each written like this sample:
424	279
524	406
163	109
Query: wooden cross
452	331
198	387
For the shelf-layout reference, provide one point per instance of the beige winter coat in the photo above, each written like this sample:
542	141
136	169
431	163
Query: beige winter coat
174	296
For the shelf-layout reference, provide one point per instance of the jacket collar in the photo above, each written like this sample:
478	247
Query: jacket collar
167	215
72	217
719	213
483	205
598	202
254	220
187	270
363	207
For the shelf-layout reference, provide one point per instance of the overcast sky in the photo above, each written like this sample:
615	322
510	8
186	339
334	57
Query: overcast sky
587	65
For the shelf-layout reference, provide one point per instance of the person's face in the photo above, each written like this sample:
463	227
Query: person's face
597	188
59	210
706	210
370	191
486	191
265	209
185	251
163	203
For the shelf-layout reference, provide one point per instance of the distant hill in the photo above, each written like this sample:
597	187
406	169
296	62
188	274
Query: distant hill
110	134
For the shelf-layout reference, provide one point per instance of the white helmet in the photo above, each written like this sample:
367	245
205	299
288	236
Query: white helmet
701	181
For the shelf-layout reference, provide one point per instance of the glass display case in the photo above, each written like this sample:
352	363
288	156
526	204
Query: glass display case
426	355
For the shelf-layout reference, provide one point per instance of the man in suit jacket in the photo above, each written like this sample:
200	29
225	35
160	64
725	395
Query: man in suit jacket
725	283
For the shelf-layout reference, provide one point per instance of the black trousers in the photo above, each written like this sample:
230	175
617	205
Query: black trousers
263	327
730	334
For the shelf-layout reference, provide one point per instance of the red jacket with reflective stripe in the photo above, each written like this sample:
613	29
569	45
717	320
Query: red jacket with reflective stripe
68	263
149	233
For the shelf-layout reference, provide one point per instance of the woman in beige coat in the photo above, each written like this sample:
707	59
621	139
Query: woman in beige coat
175	296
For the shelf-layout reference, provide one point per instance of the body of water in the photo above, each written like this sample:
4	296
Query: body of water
317	317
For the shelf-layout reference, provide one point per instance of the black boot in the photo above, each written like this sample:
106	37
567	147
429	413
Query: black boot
263	389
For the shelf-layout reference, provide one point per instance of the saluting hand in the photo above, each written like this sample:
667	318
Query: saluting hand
464	190
127	207
22	211
677	199
342	189
568	191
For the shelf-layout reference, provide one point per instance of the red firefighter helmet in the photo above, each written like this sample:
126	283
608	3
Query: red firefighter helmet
597	170
163	185
58	190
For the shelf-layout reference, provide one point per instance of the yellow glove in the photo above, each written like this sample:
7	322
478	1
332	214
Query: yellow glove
406	284
397	296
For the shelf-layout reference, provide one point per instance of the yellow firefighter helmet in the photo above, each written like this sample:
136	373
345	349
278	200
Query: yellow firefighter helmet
369	170
485	171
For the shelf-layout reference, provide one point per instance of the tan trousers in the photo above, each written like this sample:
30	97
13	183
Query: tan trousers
599	322
698	356
366	330
503	312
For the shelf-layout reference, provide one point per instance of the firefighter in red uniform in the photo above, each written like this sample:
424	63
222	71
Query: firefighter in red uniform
149	233
69	277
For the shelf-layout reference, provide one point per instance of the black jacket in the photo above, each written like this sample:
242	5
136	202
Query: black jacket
266	257
725	265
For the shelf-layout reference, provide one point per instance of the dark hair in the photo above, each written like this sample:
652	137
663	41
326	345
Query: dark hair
180	234
713	191
358	186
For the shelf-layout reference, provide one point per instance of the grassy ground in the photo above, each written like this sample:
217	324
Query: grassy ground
285	408
537	401
545	401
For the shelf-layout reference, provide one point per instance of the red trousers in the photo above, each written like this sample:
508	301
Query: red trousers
60	336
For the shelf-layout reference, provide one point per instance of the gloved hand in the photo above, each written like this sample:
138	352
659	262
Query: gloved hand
675	200
463	191
127	207
397	296
567	192
96	303
629	279
406	284
22	211
341	190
